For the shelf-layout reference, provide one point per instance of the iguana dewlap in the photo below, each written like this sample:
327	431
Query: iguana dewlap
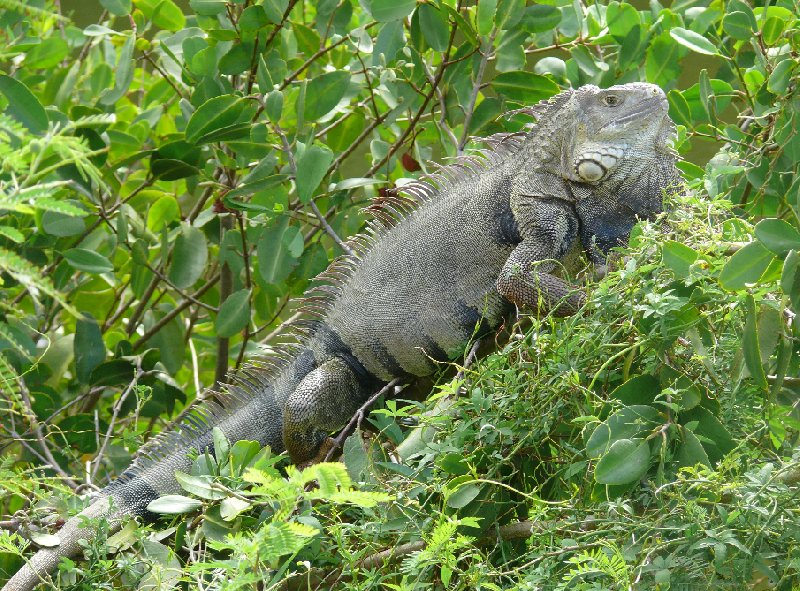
450	256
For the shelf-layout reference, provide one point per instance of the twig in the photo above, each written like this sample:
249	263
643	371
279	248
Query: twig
279	26
412	124
225	290
173	313
248	281
358	418
37	431
476	87
115	413
287	149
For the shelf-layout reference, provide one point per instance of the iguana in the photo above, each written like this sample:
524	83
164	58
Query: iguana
447	256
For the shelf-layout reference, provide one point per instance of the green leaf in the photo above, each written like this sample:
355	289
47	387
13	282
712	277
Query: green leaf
174	505
390	10
621	18
123	74
237	60
790	279
278	249
691	451
213	115
750	345
234	314
771	30
626	461
434	27
713	435
231	507
47	54
23	105
324	93
200	486
678	257
188	257
693	41
524	87
116	372
168	16
88	261
208	7
539	18
638	390
117	7
12	234
738	25
80	431
627	422
311	168
90	350
780	78
485	16
163	212
463	496
778	236
679	109
253	18
746	266
662	63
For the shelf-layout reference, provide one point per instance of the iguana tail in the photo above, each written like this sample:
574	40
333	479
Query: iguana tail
249	408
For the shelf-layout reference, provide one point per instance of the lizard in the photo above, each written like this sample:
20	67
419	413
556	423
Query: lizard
447	257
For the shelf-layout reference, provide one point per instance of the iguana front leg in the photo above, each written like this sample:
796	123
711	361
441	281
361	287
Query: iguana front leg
526	280
322	402
548	227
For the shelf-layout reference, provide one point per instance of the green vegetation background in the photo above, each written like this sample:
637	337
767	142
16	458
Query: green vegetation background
173	177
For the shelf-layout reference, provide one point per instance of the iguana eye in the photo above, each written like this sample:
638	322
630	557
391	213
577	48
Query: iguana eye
611	100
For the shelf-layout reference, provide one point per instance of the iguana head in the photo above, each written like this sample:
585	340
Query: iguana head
626	123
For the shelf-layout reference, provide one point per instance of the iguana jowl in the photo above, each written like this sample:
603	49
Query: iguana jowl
451	253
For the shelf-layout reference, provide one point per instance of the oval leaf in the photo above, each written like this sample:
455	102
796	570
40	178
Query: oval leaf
88	261
213	115
626	461
311	169
434	27
324	93
778	236
693	41
188	257
234	314
747	265
390	10
23	105
174	505
524	86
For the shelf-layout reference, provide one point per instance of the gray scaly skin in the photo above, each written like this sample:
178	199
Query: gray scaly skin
451	253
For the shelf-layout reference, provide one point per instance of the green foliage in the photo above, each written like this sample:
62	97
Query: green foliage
171	179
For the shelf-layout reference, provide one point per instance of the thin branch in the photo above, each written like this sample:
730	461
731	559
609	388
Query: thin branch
412	124
115	413
280	25
40	438
173	313
473	97
287	149
358	418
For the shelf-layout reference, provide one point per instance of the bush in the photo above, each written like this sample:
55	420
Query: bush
171	181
